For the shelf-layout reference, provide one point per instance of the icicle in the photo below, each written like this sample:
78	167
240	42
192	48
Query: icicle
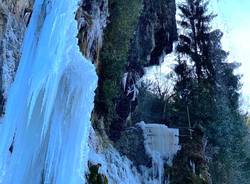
192	165
124	80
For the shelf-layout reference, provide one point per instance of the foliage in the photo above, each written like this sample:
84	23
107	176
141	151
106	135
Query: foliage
209	89
123	17
94	177
154	100
150	107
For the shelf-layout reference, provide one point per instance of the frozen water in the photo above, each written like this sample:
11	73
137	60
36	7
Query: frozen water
49	104
161	144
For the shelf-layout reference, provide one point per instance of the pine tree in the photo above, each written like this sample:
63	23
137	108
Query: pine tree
227	133
207	95
194	42
195	70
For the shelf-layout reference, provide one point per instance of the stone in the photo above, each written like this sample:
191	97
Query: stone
13	23
131	144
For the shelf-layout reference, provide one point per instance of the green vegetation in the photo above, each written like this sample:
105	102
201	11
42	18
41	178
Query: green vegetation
123	18
94	177
204	105
209	87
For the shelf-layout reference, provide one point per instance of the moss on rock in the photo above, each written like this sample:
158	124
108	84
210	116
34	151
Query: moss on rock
123	18
94	177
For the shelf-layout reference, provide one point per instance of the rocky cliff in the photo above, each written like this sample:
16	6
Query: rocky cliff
14	18
121	37
137	34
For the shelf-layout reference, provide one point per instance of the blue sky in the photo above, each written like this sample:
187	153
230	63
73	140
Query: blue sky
234	20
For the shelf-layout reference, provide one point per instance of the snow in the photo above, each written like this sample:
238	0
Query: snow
130	85
49	104
134	91
124	80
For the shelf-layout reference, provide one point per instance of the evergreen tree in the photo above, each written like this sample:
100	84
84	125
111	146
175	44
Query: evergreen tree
194	42
206	103
227	133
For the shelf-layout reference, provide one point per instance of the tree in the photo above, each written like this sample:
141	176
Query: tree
194	42
207	86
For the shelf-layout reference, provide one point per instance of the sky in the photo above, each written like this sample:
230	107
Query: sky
234	20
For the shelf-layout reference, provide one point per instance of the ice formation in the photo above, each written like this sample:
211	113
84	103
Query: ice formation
159	139
119	169
43	138
161	143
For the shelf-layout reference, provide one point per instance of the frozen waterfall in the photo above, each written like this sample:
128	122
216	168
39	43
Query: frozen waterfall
161	144
43	138
161	140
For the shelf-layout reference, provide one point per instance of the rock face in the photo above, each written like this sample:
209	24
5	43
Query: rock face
155	34
143	142
139	32
92	20
131	144
14	18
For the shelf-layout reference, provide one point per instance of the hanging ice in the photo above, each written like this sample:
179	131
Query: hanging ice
161	139
161	143
48	109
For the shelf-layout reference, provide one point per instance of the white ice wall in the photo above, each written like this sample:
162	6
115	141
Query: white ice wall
161	144
159	139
